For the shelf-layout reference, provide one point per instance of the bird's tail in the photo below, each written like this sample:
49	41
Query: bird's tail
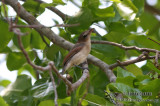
63	71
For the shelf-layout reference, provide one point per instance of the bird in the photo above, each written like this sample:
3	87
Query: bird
78	54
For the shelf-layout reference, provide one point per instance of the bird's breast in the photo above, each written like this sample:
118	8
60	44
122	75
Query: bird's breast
81	56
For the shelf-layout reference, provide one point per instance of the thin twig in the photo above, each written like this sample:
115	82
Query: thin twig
128	62
154	41
65	25
5	11
27	26
17	13
54	86
44	40
61	76
124	47
41	26
151	9
55	10
119	62
75	4
83	77
27	56
156	59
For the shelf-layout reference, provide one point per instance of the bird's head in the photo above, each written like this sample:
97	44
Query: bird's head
85	36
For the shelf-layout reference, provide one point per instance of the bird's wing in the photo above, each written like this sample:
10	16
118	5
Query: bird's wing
72	52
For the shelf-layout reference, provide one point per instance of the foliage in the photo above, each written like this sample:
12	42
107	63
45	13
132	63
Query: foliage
122	27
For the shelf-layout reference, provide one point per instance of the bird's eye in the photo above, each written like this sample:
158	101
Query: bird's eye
85	35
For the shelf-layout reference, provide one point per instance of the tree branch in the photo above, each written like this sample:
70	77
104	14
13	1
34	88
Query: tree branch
156	59
83	77
102	65
54	85
61	76
142	57
124	47
128	62
27	57
151	9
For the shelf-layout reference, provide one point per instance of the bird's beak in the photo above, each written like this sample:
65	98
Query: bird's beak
90	31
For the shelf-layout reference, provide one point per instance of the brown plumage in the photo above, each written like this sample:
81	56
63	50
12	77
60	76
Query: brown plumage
79	52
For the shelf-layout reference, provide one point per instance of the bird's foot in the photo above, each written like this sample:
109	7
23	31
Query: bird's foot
81	67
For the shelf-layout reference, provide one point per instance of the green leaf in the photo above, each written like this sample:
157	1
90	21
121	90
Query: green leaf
117	32
106	12
6	50
2	102
42	88
134	69
51	102
36	40
28	68
153	87
46	103
81	90
107	53
84	103
54	3
26	100
131	25
142	77
123	88
152	67
98	81
5	83
13	92
129	80
136	40
140	6
16	60
84	17
94	99
52	51
142	83
25	40
127	9
44	5
58	2
74	99
117	1
148	21
89	14
33	7
92	4
2	9
64	101
5	35
123	73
